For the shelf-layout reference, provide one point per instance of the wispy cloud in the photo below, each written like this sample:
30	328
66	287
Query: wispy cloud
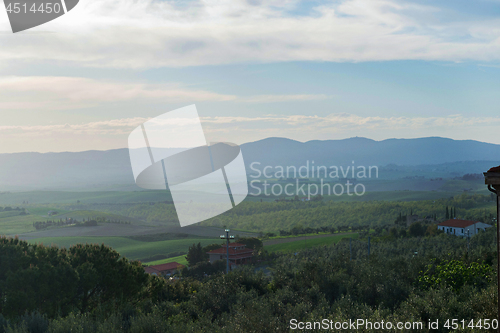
331	122
351	121
282	98
344	125
149	34
57	93
113	133
62	93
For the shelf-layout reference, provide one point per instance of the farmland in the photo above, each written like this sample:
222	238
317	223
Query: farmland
179	259
247	220
67	197
132	249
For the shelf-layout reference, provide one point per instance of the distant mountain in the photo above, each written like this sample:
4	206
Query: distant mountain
90	170
433	150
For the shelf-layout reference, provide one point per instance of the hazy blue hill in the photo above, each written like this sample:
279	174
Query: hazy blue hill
434	150
110	170
88	169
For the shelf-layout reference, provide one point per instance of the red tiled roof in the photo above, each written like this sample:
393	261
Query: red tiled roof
495	169
167	267
151	270
234	245
457	223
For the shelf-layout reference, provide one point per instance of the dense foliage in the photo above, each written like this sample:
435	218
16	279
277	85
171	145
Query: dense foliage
284	215
56	281
88	288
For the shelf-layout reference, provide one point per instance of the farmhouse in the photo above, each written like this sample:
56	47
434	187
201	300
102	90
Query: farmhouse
462	227
238	254
163	269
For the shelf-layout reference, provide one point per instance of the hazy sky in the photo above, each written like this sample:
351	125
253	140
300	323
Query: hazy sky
305	70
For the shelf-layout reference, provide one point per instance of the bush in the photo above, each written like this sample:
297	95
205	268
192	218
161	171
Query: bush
3	324
35	322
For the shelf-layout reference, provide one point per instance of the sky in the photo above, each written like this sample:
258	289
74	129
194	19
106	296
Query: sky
304	70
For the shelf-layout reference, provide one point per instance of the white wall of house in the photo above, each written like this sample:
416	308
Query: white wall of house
473	229
214	257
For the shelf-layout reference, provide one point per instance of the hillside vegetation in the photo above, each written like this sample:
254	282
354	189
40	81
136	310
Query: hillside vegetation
393	284
274	216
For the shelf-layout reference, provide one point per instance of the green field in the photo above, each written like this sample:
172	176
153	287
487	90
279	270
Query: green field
42	210
180	259
11	223
51	197
9	214
303	244
16	225
79	215
132	249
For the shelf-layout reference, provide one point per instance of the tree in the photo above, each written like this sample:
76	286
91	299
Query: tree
105	278
318	197
34	277
454	273
447	216
211	247
196	254
416	229
57	281
432	230
251	242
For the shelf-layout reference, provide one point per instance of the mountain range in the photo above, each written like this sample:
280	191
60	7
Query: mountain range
111	170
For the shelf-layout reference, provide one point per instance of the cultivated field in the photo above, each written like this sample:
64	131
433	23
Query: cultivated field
129	248
48	197
179	259
16	225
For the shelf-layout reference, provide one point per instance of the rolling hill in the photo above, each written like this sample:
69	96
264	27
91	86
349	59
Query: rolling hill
110	170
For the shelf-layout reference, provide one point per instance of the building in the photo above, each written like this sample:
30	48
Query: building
462	227
238	254
163	269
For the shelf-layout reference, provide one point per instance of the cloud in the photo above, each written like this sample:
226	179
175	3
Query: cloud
283	98
351	121
107	127
64	93
151	34
343	125
109	134
58	93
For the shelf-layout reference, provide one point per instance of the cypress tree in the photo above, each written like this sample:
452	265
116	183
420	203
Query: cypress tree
447	213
